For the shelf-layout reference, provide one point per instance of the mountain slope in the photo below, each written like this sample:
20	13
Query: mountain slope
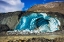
48	7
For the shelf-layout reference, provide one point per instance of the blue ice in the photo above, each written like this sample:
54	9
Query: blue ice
41	21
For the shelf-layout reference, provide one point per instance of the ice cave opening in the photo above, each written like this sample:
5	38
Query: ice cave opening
38	22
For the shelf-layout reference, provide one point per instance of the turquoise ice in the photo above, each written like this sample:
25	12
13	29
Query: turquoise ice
41	21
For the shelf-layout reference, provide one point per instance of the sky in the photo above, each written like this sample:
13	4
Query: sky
20	5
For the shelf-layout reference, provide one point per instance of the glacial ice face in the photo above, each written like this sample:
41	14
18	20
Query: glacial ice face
38	22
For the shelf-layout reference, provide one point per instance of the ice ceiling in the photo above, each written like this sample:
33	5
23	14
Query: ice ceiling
38	22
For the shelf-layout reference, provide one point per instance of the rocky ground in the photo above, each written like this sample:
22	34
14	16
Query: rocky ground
39	40
33	39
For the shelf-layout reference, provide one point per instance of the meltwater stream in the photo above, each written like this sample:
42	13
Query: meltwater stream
38	22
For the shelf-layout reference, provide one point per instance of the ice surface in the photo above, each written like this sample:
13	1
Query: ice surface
38	22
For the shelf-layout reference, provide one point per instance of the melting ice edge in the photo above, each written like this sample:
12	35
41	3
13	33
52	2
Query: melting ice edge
38	22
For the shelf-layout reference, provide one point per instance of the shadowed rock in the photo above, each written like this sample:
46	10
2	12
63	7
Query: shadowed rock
4	28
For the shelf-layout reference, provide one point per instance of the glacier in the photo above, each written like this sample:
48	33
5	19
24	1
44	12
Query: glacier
38	22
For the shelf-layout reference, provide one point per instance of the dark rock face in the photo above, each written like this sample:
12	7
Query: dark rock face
10	19
4	28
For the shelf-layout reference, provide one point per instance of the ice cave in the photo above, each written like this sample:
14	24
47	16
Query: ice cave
38	22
